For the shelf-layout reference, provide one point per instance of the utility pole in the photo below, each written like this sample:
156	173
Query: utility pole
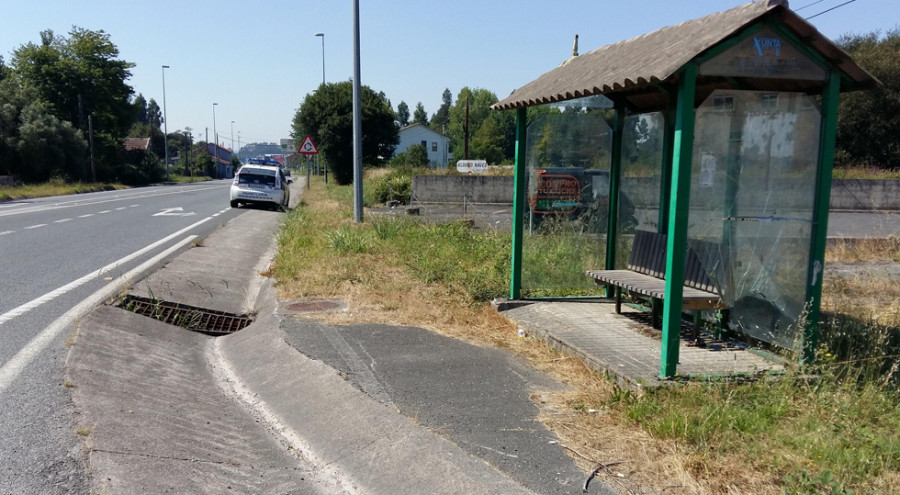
466	131
91	141
357	123
165	124
216	137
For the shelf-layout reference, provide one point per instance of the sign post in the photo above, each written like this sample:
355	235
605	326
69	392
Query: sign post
308	148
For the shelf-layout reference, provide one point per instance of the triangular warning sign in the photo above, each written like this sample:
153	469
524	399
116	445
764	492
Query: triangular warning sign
308	147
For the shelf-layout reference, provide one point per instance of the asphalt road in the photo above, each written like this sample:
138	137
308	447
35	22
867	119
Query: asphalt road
57	252
474	396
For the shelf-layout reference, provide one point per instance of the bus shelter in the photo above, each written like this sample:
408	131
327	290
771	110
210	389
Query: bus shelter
717	136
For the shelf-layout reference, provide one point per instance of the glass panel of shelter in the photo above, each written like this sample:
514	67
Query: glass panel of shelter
568	152
752	198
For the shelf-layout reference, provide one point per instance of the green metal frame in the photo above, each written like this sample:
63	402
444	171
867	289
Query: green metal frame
615	175
816	268
676	241
518	224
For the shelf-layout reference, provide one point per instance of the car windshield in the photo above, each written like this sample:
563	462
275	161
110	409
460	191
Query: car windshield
254	179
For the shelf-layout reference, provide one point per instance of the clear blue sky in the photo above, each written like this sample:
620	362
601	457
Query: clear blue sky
259	59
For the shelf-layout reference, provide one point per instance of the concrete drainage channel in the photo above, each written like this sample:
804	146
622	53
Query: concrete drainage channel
201	320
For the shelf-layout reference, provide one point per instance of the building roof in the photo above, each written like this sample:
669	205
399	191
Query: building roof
635	69
139	144
424	127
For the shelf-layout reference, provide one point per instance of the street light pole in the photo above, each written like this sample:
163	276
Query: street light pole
323	84
165	123
216	137
322	35
232	137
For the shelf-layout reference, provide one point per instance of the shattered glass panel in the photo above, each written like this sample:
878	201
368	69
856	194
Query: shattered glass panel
567	197
751	208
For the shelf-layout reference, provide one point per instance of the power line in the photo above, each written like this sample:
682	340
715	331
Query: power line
829	10
798	9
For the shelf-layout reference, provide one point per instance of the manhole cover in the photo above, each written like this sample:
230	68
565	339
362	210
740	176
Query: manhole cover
315	306
202	320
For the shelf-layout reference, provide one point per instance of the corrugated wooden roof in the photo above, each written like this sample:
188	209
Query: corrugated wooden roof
635	68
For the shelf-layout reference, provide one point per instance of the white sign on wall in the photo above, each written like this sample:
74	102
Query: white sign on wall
471	166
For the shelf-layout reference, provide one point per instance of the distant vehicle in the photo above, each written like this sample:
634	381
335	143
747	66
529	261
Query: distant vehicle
577	193
261	184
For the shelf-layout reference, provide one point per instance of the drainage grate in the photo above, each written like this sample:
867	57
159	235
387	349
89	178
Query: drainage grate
197	319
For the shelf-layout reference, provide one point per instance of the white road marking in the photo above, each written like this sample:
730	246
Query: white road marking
36	226
7	232
62	220
174	212
118	197
13	368
34	303
104	211
121	208
85	216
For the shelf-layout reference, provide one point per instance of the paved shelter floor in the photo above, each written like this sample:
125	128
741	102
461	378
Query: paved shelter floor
626	345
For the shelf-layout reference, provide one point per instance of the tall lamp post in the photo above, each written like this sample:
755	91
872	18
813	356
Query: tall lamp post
322	35
232	137
165	123
216	139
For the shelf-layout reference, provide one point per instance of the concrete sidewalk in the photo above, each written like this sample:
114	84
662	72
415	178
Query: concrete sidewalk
167	410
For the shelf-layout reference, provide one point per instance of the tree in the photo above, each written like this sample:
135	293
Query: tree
403	114
480	101
441	119
420	116
80	76
327	115
154	114
140	110
417	156
49	146
869	121
487	142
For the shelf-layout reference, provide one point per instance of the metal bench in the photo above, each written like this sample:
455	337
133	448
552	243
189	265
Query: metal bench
645	276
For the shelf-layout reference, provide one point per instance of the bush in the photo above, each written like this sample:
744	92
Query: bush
395	185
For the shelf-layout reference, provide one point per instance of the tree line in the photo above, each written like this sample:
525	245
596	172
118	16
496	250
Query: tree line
66	109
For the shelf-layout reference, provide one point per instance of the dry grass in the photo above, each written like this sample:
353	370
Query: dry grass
379	289
861	250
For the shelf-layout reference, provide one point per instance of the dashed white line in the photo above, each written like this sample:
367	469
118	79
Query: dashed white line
7	232
85	216
104	211
62	220
36	226
121	208
34	303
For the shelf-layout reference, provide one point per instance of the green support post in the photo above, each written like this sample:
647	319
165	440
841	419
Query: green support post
820	217
676	242
666	168
518	224
615	174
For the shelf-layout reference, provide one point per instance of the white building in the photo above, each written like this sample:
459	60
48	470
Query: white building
436	144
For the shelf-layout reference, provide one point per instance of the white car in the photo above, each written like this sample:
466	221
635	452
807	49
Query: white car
262	184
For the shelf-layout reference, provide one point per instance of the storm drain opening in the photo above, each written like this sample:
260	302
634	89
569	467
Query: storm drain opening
201	320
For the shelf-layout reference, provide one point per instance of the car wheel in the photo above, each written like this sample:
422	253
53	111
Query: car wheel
234	204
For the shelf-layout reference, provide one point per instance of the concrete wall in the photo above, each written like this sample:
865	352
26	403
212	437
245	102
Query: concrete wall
863	194
452	188
846	194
